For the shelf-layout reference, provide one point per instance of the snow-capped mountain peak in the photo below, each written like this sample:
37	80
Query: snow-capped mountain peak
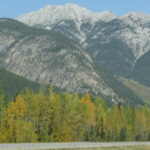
79	23
141	17
105	16
53	13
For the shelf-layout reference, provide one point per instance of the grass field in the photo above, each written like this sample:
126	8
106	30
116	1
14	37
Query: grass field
117	148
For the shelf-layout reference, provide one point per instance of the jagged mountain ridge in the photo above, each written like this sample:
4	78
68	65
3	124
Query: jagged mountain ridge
118	43
53	15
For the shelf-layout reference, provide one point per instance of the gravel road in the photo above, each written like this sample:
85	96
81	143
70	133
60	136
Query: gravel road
46	146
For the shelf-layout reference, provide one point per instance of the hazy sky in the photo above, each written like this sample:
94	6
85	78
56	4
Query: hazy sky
14	8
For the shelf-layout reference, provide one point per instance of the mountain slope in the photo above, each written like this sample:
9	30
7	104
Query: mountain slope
119	43
11	84
141	71
50	58
139	89
122	46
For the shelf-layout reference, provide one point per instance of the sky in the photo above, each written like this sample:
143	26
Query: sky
15	8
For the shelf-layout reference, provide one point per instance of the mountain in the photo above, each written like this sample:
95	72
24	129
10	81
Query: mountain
122	46
120	43
50	58
68	19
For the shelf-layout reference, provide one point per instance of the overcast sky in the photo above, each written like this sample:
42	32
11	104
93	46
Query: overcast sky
14	8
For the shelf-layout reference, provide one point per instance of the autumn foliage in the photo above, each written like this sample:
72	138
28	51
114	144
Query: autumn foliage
66	117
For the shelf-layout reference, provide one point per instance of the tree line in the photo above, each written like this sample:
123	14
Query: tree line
67	117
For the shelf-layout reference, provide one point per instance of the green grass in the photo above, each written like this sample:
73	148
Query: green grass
117	148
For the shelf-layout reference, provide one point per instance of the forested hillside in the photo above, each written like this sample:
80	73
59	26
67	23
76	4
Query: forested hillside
65	117
140	90
11	84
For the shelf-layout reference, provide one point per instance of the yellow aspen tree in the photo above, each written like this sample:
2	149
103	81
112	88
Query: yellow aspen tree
122	121
90	109
89	115
63	112
17	128
39	112
141	126
114	127
55	107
